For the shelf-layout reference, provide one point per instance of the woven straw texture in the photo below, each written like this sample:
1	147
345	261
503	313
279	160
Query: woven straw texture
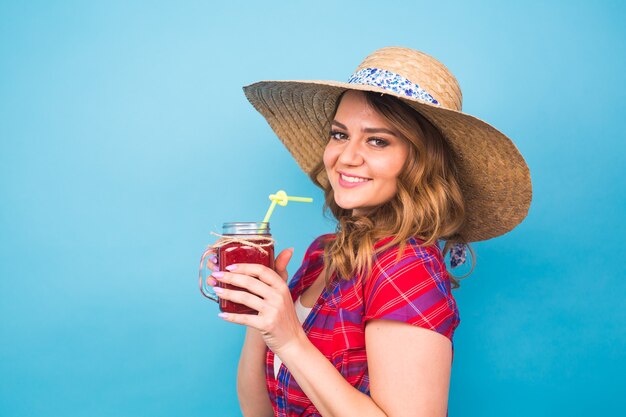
493	175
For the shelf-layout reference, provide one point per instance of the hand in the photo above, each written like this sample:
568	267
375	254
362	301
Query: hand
269	295
210	257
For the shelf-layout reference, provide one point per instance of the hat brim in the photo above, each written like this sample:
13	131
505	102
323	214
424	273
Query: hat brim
493	175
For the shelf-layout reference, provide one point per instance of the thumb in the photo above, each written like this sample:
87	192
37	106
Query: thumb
280	265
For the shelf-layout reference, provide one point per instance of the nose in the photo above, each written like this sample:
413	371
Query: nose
351	153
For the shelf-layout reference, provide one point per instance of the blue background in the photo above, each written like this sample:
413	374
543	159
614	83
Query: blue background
125	139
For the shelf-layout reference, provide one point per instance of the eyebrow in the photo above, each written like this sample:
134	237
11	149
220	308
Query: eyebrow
368	129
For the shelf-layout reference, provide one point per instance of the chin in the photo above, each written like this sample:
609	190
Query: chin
356	210
347	205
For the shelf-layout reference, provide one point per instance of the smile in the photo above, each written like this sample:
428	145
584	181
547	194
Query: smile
352	179
348	181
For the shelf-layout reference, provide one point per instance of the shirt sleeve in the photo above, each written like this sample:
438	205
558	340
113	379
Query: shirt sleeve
414	289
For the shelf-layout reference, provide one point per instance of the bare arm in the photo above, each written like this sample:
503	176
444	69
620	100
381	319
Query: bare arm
254	400
251	389
327	389
409	368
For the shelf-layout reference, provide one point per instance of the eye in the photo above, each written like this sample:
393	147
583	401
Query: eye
336	135
378	142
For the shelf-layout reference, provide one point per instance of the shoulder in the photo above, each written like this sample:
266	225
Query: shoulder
312	264
411	284
411	266
412	255
315	251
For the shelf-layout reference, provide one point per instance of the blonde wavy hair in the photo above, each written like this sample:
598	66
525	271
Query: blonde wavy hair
428	204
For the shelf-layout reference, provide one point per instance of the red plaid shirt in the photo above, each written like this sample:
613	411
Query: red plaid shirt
414	290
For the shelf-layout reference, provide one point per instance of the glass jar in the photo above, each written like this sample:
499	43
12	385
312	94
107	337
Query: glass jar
241	242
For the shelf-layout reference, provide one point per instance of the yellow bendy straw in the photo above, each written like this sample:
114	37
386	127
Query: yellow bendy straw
282	198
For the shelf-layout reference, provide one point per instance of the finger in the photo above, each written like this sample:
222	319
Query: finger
265	274
240	297
252	284
210	281
212	263
205	291
209	258
251	320
281	262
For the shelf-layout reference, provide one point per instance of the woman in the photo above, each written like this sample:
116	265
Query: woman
365	326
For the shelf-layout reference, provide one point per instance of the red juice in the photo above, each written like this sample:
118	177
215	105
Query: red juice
238	253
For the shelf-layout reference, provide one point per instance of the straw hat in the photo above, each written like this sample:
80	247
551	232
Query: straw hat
493	175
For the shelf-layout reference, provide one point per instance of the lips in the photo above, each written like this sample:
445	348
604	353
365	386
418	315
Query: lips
350	181
352	178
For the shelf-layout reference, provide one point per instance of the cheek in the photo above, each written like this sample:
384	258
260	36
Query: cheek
392	169
400	162
389	170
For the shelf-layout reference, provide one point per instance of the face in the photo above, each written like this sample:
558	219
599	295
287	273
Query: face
364	156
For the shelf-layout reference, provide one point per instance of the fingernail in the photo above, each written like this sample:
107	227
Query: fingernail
223	315
218	290
231	267
213	259
217	274
212	282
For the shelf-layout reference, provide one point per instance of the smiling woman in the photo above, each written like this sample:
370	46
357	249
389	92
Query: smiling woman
364	155
365	326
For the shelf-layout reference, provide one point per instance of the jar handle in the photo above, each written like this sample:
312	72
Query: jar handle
203	273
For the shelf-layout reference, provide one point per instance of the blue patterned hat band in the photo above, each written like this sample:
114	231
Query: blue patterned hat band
391	81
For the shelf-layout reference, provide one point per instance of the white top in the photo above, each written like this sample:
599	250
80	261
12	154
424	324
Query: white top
302	312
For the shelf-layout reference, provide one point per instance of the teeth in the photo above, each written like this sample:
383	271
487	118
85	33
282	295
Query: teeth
353	179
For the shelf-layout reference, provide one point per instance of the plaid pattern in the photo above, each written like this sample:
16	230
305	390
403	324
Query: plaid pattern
415	290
